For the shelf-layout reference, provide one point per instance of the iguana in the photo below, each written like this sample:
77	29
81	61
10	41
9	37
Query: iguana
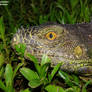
69	44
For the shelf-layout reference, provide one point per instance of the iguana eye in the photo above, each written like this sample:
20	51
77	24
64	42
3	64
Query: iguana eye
51	35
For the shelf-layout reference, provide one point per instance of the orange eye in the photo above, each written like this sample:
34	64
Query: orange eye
51	35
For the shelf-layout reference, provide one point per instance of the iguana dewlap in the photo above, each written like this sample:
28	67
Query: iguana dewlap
68	44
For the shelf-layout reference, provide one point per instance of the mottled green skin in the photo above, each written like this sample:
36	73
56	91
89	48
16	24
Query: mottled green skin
61	49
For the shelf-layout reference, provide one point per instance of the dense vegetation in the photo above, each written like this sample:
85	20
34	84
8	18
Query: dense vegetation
16	73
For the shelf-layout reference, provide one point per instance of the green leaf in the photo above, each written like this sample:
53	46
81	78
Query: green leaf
8	75
53	88
44	69
66	78
2	28
87	13
43	19
10	19
54	71
17	68
2	69
73	89
1	46
45	63
29	74
26	90
35	61
85	86
32	58
75	80
2	59
34	8
45	60
20	48
35	83
2	86
74	3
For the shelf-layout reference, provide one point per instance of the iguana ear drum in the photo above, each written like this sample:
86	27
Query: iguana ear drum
51	35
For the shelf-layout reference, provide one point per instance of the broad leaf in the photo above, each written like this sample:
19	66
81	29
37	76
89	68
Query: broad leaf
35	83
35	61
8	75
9	78
29	74
53	88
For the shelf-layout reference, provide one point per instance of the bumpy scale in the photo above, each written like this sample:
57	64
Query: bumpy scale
68	44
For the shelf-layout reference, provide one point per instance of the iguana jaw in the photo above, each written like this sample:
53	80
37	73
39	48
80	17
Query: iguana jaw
82	67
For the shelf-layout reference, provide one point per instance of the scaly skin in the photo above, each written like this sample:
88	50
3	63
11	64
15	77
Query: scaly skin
68	44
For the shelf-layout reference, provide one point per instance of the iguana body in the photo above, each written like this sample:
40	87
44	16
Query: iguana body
68	44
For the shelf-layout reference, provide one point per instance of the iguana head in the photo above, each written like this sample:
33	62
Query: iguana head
61	43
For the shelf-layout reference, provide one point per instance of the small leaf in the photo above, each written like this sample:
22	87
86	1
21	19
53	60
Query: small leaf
8	75
44	69
53	88
74	3
32	58
26	90
1	46
35	61
29	74
2	86
85	86
74	89
17	68
76	80
2	28
66	78
20	49
45	60
2	69
45	63
2	60
54	71
35	83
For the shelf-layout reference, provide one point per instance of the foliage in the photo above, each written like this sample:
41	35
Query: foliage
32	12
9	78
38	78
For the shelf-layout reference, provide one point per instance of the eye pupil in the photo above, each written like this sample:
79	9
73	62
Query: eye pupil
50	35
